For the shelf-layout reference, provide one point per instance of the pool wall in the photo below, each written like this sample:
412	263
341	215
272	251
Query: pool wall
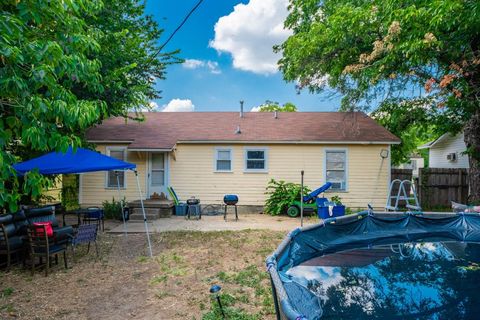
459	226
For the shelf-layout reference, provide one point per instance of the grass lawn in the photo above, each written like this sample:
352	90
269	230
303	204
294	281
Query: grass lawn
125	284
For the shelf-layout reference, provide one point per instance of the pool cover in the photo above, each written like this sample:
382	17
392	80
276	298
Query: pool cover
346	237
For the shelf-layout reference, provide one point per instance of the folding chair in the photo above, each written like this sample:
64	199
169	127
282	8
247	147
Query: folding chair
86	233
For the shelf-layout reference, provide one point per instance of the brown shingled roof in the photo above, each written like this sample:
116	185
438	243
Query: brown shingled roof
162	130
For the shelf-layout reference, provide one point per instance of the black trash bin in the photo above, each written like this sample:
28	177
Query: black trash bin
126	214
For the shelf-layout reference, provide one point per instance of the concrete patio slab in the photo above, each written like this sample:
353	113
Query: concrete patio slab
216	223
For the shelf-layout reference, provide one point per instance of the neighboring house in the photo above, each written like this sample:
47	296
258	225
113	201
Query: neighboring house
447	152
210	154
415	162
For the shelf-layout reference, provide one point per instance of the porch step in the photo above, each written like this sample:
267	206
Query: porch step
139	217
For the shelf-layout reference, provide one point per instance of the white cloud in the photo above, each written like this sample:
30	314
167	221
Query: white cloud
154	106
255	109
212	66
193	63
179	105
249	33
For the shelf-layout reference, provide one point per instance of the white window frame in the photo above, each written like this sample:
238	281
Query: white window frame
107	151
215	159
326	150
265	159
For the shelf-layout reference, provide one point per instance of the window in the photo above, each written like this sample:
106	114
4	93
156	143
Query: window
158	170
223	160
255	160
120	154
336	169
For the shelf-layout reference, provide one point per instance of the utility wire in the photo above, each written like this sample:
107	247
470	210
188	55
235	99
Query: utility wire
178	28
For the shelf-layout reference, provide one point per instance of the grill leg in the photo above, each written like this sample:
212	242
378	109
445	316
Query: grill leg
225	214
236	214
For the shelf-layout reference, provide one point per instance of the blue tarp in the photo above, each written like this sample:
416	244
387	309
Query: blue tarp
82	160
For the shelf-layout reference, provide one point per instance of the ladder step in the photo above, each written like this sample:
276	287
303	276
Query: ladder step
390	208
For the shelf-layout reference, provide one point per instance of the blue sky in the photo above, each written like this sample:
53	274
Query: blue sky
231	63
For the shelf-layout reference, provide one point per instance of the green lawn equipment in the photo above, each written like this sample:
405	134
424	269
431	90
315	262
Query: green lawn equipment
310	202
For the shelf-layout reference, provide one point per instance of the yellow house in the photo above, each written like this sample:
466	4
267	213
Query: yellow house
210	154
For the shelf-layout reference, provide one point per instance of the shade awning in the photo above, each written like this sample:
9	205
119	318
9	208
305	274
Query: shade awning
82	160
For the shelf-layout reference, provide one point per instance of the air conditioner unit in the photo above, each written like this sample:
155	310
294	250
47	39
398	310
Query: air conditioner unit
452	156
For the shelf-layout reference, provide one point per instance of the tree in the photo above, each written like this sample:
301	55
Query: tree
375	50
64	66
411	122
271	106
128	39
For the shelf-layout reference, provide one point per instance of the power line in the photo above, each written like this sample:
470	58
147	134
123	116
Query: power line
178	28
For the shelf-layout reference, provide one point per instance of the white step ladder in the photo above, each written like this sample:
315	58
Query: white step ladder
402	195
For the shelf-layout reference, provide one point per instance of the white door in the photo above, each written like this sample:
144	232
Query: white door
157	174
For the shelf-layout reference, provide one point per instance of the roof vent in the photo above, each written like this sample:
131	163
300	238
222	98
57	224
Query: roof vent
238	131
241	108
275	114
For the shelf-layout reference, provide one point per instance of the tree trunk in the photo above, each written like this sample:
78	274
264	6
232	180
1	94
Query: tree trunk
472	141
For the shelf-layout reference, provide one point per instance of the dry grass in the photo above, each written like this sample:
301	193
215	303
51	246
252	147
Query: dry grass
124	284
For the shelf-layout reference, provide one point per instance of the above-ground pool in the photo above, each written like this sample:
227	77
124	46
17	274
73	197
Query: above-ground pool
380	266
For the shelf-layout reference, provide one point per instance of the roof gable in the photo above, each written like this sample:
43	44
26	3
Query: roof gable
162	130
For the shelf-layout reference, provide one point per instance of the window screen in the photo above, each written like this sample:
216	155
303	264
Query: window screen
336	169
224	160
112	177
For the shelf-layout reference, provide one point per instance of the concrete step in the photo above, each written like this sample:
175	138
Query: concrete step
139	217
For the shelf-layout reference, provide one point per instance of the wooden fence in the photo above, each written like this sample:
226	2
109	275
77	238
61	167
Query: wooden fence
437	187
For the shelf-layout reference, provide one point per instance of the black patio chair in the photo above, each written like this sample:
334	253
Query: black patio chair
94	214
10	245
43	246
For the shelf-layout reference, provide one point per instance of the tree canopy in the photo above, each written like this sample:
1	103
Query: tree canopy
271	106
380	51
64	66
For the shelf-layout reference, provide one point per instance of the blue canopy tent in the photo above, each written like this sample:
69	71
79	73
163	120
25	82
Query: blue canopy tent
81	161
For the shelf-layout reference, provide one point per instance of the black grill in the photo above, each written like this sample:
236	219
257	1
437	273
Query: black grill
193	201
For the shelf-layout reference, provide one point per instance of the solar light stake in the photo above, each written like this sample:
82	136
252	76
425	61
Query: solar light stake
301	200
215	289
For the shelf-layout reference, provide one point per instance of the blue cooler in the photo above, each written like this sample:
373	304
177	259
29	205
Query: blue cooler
181	209
323	212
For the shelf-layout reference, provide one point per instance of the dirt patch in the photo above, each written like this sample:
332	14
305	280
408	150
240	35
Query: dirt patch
125	284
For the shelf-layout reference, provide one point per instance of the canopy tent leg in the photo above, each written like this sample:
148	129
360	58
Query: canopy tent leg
301	200
121	204
144	215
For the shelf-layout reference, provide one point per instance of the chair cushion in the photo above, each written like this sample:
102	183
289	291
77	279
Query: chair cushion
63	233
47	218
21	222
15	242
6	218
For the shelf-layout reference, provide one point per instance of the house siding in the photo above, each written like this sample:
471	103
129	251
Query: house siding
93	191
192	173
438	153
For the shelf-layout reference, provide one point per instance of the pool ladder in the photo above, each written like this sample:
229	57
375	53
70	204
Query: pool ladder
402	195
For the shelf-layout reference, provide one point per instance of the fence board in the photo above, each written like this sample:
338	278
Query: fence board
439	186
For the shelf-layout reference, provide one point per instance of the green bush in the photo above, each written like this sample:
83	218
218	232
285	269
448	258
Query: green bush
69	192
113	210
281	194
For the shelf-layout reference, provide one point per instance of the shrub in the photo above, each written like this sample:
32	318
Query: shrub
281	194
113	210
